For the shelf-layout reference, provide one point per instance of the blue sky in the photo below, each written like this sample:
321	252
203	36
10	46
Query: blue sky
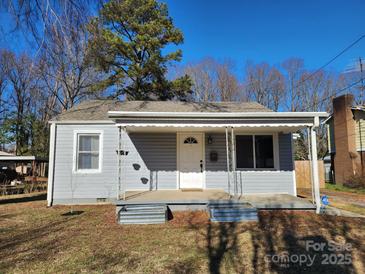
271	31
258	30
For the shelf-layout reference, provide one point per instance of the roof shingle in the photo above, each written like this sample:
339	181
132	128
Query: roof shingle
98	109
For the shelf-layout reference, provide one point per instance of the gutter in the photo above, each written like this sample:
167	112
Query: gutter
80	122
118	114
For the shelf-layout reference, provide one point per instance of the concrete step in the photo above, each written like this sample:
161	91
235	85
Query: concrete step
232	210
234	219
142	214
232	213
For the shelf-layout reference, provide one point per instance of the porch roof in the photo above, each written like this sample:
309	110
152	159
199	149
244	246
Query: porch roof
201	120
269	123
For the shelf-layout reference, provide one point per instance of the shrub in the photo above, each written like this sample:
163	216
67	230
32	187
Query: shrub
355	181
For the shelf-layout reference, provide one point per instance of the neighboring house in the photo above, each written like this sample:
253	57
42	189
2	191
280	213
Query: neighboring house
25	164
346	138
101	149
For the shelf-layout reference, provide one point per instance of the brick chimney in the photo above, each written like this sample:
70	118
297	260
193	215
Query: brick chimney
346	159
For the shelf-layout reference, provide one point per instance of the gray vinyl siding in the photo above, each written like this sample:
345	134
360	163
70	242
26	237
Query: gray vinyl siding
151	161
253	181
216	172
85	187
151	164
264	182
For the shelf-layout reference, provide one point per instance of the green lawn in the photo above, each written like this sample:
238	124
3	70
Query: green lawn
338	187
37	239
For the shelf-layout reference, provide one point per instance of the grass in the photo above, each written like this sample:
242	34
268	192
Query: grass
37	239
349	207
337	187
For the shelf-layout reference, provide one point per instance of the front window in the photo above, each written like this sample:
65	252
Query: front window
254	151
88	152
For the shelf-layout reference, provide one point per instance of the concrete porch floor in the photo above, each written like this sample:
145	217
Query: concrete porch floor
204	197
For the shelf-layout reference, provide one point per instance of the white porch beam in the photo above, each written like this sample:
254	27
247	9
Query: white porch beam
315	169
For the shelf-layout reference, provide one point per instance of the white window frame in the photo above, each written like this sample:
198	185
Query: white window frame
78	133
275	141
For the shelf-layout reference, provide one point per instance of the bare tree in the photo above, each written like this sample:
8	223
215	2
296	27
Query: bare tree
66	71
214	81
203	75
33	17
22	83
293	68
265	85
227	83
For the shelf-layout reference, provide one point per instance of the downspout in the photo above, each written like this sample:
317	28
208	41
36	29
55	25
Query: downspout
228	171
51	165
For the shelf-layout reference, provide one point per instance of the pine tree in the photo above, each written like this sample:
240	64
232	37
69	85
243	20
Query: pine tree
128	41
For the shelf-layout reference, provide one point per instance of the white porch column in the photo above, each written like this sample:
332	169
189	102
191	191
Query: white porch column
119	161
228	169
310	161
122	162
233	155
315	169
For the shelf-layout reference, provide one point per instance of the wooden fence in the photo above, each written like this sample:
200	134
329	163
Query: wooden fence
303	174
28	185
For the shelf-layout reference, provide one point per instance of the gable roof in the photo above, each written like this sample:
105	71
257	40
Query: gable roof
97	110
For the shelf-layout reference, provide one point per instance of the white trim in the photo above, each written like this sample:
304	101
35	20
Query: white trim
51	163
204	162
75	151
294	182
177	160
116	114
293	164
276	151
77	122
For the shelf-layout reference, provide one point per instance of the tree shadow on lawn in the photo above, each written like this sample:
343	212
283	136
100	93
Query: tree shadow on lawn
279	242
286	241
221	244
32	198
38	244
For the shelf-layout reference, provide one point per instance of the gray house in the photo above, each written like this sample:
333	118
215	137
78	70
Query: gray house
105	150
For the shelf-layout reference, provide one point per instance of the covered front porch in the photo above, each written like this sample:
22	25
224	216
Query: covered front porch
249	156
200	199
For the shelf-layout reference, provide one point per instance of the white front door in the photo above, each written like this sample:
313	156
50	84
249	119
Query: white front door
191	160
